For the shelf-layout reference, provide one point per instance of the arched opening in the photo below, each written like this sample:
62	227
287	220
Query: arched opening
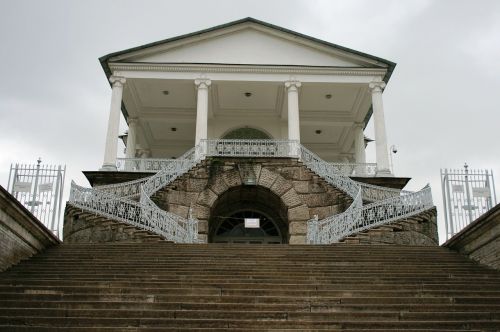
246	133
228	214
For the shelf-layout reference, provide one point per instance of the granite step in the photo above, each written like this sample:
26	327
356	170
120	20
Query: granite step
161	286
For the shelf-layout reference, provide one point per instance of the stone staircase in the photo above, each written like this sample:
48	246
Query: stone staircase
415	230
87	227
160	286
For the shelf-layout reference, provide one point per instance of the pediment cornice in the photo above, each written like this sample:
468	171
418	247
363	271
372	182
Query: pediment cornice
260	69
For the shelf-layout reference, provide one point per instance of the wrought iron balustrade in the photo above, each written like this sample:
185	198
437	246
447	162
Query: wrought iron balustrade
334	228
356	169
152	165
144	214
249	148
119	201
372	193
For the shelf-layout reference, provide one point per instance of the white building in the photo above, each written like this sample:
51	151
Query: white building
273	124
246	79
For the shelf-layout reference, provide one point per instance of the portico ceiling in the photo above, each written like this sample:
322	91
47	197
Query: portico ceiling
248	62
161	105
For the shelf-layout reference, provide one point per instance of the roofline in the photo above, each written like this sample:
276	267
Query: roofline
104	59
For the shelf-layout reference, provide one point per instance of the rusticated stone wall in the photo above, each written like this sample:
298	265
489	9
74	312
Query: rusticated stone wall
22	235
302	193
480	240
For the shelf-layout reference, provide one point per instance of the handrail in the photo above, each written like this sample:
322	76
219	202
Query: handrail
145	165
144	214
356	169
334	228
117	201
172	171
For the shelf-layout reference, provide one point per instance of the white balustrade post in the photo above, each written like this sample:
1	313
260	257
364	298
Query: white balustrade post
383	167
359	144
111	147
293	113
131	138
131	144
202	86
359	149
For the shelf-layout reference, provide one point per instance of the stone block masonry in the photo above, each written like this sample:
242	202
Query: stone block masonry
300	192
283	189
480	240
22	235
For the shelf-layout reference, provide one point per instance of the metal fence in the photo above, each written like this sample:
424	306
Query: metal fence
467	194
39	188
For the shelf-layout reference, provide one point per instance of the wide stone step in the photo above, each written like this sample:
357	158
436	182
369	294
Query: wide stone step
239	298
257	262
223	291
308	306
412	280
253	315
187	329
169	287
242	284
242	323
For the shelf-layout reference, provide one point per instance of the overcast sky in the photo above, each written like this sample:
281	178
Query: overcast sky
441	104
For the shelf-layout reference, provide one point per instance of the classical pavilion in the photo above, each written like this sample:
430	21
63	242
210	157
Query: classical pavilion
244	203
249	133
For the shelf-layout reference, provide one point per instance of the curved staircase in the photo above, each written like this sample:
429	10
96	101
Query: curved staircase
131	203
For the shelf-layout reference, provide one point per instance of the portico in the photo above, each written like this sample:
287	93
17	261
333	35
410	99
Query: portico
247	121
176	93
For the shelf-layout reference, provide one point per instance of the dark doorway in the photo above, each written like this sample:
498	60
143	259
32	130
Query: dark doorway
227	218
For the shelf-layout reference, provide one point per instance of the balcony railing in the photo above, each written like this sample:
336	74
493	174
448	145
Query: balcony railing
240	149
152	165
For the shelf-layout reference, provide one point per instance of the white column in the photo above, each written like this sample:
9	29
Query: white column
111	148
383	168
202	84
359	144
293	110
131	138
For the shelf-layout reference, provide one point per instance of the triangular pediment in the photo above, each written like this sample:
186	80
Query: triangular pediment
249	42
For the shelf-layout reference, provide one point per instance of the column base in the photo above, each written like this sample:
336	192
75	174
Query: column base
108	167
384	173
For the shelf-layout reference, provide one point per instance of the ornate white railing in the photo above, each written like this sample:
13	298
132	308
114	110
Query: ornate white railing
144	214
249	148
174	170
372	193
117	201
336	227
169	225
132	189
129	189
356	169
390	205
147	165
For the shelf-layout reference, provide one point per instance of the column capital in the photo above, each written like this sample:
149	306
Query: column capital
202	83
117	80
377	86
359	125
143	153
293	85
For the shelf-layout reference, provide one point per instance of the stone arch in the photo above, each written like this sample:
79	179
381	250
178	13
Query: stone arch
246	133
226	177
248	201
